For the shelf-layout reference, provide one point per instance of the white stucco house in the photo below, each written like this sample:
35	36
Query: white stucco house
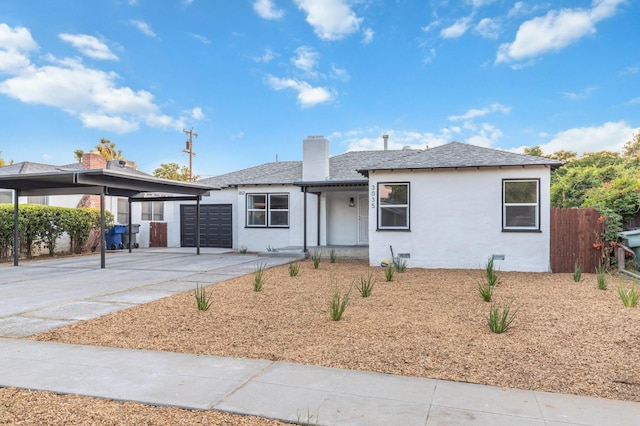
452	206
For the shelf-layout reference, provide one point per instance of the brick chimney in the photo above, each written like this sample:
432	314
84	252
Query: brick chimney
93	160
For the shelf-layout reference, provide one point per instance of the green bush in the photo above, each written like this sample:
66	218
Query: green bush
339	303
203	300
294	268
388	274
365	287
258	276
577	272
501	317
316	256
629	296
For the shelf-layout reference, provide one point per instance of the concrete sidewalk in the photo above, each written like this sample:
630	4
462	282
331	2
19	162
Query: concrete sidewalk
290	392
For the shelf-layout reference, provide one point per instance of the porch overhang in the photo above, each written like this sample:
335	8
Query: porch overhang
333	186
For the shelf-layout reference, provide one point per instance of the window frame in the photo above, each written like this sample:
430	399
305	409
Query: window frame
537	205
153	211
406	206
267	210
124	212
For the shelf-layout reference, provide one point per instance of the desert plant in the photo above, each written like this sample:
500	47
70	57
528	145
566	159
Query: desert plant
294	268
485	290
629	296
490	273
332	256
316	256
203	300
258	276
365	287
601	278
577	272
388	274
339	303
243	250
400	265
501	317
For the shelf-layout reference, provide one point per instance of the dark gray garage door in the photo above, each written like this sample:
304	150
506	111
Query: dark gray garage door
215	225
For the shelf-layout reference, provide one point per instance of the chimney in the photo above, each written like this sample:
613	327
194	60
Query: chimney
93	160
386	141
315	159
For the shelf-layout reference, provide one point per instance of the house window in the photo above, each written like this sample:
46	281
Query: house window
152	210
268	210
521	205
37	199
6	197
123	210
393	206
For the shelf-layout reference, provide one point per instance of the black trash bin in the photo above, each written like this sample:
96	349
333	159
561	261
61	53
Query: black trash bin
135	228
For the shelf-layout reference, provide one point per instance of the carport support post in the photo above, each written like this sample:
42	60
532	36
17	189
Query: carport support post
198	224
304	228
129	228
103	242
16	233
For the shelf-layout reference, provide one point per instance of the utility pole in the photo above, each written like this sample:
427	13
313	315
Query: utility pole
189	150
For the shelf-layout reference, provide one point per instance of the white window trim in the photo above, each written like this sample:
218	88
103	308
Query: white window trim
536	226
267	209
407	206
152	204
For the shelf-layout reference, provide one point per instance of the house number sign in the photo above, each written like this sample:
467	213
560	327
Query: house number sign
372	196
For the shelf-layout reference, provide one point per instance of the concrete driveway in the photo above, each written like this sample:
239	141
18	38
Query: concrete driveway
45	294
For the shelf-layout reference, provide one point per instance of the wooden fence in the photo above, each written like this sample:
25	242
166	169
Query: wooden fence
573	233
157	234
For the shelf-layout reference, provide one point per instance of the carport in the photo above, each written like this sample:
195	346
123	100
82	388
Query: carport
135	187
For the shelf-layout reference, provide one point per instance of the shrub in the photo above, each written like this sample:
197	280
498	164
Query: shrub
577	272
601	278
339	303
243	250
258	276
365	287
400	265
490	273
332	256
316	256
629	296
203	300
501	317
294	268
388	274
485	290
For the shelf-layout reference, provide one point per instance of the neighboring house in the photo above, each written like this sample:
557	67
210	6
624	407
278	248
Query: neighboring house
143	213
453	206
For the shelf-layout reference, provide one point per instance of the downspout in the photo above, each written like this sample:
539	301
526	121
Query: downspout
16	233
304	248
318	196
103	242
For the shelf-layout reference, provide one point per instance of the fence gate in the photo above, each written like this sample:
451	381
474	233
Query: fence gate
157	234
573	233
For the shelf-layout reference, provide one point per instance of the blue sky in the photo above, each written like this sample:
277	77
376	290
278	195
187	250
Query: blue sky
255	77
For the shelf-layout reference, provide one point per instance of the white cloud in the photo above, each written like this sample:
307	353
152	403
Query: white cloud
306	59
488	28
330	19
487	136
367	35
431	25
610	136
90	94
197	114
15	45
555	31
89	46
371	139
630	71
479	112
635	101
201	38
339	73
480	3
430	56
308	96
457	29
267	10
266	57
143	27
576	96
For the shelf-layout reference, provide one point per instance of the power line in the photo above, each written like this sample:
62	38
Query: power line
189	150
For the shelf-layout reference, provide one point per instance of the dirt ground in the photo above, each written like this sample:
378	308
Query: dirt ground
567	337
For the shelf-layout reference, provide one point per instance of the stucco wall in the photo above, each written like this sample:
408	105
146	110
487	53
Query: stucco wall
456	221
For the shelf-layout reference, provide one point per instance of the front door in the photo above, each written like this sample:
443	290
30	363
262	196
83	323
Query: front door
363	219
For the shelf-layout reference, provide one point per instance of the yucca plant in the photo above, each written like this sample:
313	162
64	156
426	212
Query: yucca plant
339	303
400	265
501	317
577	272
316	256
601	278
365	287
629	296
490	273
388	274
485	290
203	299
332	256
294	268
258	276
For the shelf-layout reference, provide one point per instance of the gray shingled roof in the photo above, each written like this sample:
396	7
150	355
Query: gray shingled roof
350	166
27	167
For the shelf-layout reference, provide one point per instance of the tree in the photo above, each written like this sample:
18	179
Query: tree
2	162
108	150
534	150
78	153
173	171
564	155
632	147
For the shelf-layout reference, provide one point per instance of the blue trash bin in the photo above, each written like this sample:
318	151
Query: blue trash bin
114	238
